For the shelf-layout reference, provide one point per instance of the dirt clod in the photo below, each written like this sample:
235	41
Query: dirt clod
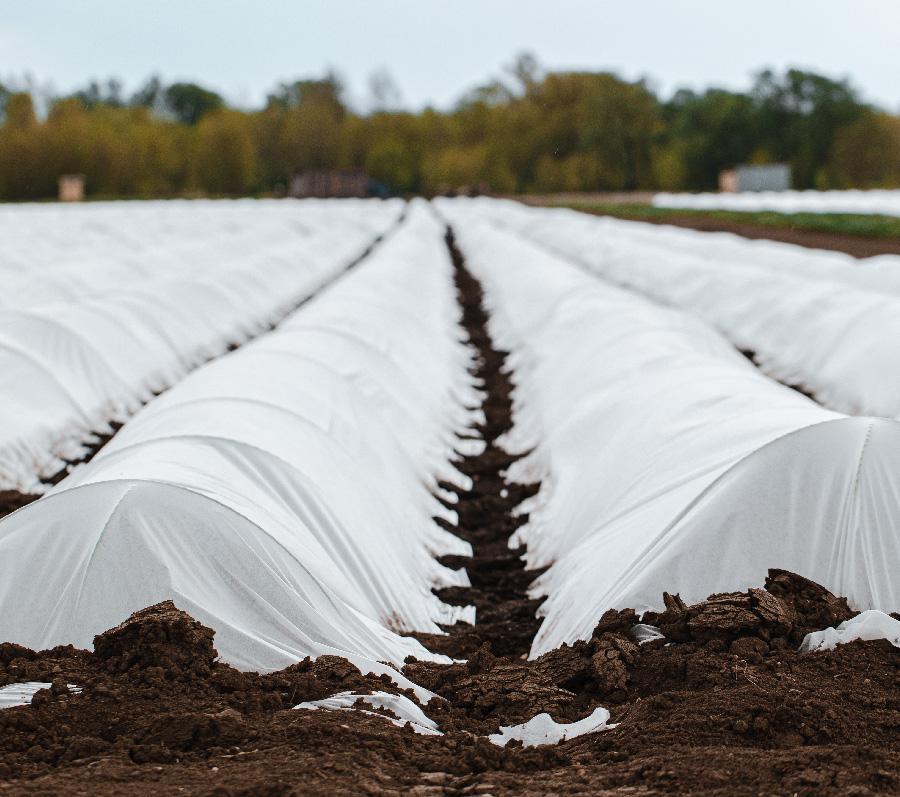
160	636
697	715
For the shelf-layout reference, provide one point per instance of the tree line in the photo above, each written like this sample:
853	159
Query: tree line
530	132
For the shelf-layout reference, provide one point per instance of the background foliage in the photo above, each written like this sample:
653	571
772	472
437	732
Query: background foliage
532	132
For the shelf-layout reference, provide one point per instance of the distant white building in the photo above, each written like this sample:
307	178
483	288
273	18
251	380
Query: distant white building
766	177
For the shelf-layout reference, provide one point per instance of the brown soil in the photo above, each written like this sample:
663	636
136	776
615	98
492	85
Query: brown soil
724	705
728	707
505	615
11	500
855	245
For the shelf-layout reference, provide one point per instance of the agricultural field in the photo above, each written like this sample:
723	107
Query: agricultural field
449	497
843	227
872	202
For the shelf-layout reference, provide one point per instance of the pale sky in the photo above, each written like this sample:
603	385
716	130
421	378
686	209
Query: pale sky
435	50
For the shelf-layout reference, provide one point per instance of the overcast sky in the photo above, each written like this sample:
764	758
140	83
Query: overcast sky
437	50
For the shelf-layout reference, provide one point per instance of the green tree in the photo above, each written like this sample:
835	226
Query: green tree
151	95
528	131
326	92
190	102
708	132
309	126
799	114
226	155
4	98
23	171
866	153
96	93
20	113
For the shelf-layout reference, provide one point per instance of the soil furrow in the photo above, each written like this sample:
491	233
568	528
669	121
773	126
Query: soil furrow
795	386
505	615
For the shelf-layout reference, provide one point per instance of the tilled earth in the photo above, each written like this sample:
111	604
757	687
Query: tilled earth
724	704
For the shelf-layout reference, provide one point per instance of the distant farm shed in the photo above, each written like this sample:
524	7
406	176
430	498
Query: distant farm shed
325	183
71	187
767	177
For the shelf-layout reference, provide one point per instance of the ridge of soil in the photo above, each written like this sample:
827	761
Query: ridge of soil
725	705
11	500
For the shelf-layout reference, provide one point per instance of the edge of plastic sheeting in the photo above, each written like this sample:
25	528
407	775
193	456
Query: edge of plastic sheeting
404	710
869	626
821	501
267	609
542	729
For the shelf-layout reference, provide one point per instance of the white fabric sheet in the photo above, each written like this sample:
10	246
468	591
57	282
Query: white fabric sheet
668	461
876	201
103	305
818	320
282	494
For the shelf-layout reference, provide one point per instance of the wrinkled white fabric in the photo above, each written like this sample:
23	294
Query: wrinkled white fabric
102	305
876	201
20	694
668	461
543	729
404	710
814	319
281	494
868	626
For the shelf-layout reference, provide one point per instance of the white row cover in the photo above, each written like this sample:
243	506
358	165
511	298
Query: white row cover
878	201
107	304
404	710
52	252
543	729
21	694
668	461
869	626
837	334
281	494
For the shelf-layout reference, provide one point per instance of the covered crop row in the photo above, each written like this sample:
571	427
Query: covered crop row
282	494
835	334
104	305
880	202
665	457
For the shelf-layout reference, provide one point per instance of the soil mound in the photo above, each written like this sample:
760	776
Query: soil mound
159	636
